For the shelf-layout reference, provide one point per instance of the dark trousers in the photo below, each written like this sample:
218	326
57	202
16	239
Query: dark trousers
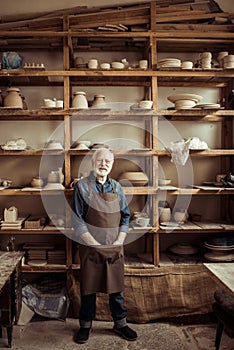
116	305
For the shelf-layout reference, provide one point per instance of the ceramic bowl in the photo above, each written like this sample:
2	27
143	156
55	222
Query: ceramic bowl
192	97
183	248
81	146
164	182
134	178
105	65
146	104
54	145
117	65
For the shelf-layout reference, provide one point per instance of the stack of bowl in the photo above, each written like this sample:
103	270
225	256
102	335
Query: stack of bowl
220	57
228	62
205	60
184	101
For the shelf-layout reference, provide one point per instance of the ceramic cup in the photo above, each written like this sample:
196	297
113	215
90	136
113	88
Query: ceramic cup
143	64
93	63
142	221
187	65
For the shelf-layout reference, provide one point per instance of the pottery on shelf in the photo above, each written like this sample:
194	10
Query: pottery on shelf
13	98
99	101
79	100
37	182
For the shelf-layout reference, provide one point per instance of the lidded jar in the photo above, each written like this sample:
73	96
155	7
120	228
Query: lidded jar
99	101
79	100
13	98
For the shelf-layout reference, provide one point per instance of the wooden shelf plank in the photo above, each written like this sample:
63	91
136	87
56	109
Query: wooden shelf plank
205	153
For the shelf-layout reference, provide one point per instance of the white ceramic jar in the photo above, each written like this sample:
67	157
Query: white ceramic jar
93	63
164	214
79	100
13	98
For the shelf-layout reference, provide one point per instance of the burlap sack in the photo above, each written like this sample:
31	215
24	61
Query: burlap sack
155	293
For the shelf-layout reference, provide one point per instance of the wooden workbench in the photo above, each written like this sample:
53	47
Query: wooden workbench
10	291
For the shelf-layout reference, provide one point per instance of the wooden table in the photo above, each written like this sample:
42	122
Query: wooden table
223	274
10	291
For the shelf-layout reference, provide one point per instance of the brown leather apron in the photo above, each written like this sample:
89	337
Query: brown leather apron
102	267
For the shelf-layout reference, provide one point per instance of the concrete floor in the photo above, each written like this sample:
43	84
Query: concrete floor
58	335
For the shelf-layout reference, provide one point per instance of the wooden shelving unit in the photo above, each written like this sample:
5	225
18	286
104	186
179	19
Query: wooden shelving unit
69	36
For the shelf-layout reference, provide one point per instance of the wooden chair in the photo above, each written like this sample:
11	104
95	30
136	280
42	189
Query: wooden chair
224	311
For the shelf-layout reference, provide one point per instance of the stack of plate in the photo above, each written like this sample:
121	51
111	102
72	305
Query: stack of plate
184	101
169	63
208	105
221	249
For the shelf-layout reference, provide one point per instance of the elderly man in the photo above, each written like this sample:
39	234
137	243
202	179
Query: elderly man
100	220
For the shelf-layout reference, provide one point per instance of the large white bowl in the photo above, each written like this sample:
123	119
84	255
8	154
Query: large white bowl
191	97
136	178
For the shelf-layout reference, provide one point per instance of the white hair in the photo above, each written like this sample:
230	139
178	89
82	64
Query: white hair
101	150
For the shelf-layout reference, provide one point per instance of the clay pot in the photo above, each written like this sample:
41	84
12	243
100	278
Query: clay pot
13	98
99	101
37	182
79	100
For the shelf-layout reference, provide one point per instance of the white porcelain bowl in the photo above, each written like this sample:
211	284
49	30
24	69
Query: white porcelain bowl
134	178
105	65
164	182
146	104
192	97
117	65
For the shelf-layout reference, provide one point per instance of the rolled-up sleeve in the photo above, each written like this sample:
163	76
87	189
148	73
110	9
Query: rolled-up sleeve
79	208
124	209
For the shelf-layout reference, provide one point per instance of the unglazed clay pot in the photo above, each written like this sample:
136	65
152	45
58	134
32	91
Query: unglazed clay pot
37	182
99	101
79	100
13	98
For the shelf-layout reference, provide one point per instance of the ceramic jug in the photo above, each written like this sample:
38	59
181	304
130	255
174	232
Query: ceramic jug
79	100
13	98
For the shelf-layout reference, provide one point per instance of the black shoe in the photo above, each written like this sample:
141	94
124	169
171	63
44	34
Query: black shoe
126	332
82	335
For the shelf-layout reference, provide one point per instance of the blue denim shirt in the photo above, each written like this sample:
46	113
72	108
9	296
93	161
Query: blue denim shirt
81	202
